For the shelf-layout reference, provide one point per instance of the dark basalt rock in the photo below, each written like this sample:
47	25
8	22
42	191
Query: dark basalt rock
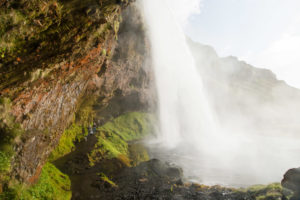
157	180
291	181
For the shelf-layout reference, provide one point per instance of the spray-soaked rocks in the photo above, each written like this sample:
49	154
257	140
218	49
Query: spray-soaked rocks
291	181
157	180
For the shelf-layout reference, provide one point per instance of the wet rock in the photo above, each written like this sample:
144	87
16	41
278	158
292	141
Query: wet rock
291	181
153	180
44	104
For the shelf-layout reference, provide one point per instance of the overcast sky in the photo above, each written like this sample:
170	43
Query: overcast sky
264	33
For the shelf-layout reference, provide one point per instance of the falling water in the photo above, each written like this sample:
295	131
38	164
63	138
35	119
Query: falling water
183	108
189	133
187	125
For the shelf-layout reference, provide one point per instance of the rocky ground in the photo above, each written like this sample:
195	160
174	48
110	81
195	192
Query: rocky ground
112	179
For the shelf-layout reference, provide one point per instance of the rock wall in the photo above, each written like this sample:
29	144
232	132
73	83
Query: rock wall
88	50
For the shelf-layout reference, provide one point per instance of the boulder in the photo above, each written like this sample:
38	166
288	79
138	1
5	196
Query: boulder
291	181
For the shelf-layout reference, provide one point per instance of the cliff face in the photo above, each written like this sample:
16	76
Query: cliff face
56	56
246	97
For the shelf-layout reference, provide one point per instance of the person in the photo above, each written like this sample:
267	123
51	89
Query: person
90	130
94	128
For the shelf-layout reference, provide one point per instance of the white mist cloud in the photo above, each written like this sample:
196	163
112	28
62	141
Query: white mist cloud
183	9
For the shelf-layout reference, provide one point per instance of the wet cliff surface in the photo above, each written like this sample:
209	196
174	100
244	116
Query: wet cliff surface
65	65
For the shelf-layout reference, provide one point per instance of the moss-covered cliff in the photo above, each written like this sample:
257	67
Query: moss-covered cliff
64	65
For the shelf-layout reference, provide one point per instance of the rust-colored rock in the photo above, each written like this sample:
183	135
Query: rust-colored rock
115	71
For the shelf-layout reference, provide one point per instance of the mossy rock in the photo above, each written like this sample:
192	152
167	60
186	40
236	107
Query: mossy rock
113	137
52	185
130	126
9	131
267	192
5	167
36	32
76	131
4	162
138	154
66	142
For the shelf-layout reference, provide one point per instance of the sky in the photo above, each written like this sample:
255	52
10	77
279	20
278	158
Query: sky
264	33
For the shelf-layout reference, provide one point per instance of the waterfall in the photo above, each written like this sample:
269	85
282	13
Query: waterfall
188	128
183	109
189	133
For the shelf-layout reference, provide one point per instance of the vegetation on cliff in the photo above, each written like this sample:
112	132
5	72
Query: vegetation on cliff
66	142
113	142
77	130
52	185
114	146
4	162
49	53
8	132
114	137
35	37
41	32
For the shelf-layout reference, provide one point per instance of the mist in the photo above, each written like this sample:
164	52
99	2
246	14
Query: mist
223	121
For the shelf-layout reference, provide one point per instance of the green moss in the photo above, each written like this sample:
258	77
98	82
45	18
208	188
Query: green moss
265	192
77	131
103	53
5	107
35	34
114	136
9	130
4	162
52	185
66	143
85	114
2	52
116	28
138	153
256	189
31	19
130	126
270	196
5	166
104	178
108	147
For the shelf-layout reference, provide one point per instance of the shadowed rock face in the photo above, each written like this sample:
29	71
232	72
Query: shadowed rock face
291	181
98	56
47	107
